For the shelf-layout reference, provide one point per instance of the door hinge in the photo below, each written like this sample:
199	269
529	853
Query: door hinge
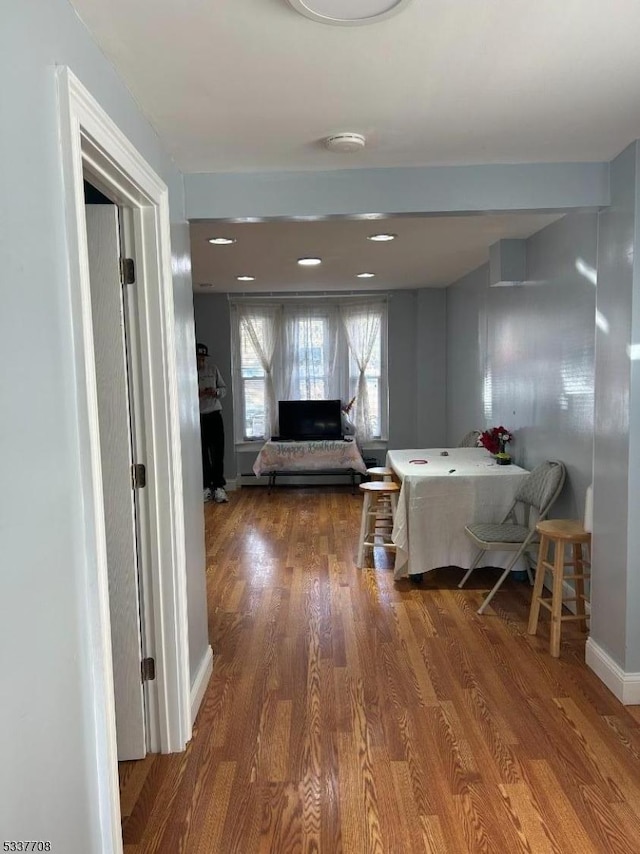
148	669
127	271
138	476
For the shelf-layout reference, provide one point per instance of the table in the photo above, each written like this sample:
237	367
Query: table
325	456
439	496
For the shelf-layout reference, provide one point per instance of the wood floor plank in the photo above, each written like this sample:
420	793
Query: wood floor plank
623	785
352	815
409	816
627	736
527	818
349	713
281	824
132	779
209	822
433	836
482	818
556	806
412	654
615	824
149	821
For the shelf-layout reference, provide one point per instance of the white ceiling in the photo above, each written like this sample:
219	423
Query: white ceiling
233	85
428	252
251	85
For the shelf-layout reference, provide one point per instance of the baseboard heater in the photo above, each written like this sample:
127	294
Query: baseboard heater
299	478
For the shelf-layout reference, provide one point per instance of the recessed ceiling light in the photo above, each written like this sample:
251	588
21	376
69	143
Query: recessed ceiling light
246	278
309	262
366	275
222	241
347	14
381	238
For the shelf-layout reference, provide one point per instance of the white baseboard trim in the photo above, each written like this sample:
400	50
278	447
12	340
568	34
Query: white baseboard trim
199	684
232	484
624	686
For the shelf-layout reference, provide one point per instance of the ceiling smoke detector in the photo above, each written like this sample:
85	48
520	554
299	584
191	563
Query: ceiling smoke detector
349	14
345	142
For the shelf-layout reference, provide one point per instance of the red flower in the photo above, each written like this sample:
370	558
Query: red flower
495	438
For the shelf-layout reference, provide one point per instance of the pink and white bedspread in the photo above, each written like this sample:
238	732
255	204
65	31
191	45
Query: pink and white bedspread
319	455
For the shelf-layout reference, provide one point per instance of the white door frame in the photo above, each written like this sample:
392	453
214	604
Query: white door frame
90	140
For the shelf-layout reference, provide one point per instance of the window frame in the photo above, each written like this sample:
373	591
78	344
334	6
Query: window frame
343	357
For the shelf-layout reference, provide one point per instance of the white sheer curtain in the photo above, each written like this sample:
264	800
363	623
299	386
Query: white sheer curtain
362	325
262	324
309	349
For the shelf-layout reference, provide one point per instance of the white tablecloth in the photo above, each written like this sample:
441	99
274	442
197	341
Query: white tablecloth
310	456
439	497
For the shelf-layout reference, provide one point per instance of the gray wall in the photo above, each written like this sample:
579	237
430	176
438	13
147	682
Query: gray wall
466	353
615	594
431	368
190	439
523	356
50	780
403	409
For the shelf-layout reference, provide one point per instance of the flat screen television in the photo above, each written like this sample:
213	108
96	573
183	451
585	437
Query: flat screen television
310	419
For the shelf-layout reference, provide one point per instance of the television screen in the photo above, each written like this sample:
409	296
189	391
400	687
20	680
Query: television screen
310	419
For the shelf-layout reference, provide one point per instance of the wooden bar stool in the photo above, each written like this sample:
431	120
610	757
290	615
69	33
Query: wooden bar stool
380	473
376	516
384	514
562	533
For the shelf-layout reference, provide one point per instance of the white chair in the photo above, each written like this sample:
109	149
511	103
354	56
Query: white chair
470	440
517	531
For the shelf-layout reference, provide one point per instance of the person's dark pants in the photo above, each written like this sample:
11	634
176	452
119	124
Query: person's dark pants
212	434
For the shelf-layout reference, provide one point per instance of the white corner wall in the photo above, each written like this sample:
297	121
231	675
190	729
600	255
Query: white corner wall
615	623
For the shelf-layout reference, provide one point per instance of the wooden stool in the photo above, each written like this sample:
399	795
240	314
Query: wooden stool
380	473
562	533
384	513
374	512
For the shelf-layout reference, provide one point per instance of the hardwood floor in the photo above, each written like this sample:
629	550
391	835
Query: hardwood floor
349	713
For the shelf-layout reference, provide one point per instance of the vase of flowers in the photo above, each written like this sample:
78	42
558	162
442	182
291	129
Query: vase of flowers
495	440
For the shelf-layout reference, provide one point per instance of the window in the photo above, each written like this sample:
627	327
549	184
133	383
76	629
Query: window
309	356
311	367
315	350
253	395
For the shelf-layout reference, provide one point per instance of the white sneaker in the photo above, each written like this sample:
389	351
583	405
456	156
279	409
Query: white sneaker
219	495
207	495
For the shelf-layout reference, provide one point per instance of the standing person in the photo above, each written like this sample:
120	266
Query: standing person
211	388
